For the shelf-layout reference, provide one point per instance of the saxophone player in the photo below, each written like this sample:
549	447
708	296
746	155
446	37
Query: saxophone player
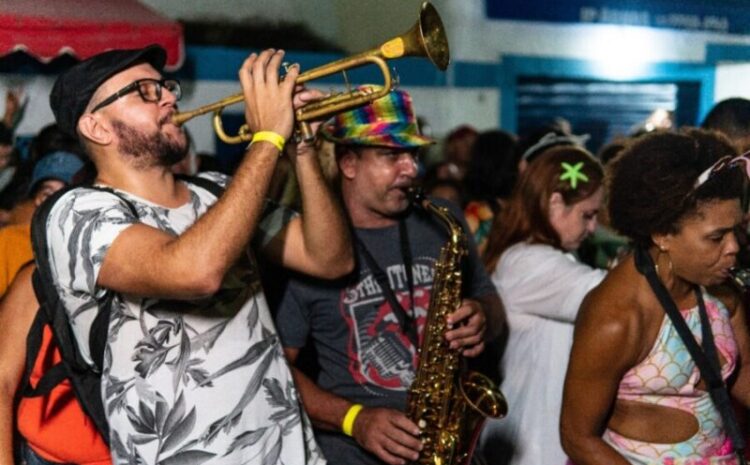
365	329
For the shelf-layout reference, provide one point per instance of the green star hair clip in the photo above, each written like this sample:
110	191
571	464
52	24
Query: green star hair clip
573	173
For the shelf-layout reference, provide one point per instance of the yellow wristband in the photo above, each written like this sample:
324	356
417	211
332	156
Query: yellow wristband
269	136
351	415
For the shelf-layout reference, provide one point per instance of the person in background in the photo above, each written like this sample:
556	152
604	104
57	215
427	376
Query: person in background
731	117
457	152
603	248
533	142
9	158
366	328
51	173
492	174
14	205
446	189
529	255
633	392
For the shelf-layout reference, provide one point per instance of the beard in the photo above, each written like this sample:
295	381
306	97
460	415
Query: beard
149	150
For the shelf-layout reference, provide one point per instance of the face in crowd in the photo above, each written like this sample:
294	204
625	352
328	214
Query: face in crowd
141	118
381	177
679	195
574	223
705	246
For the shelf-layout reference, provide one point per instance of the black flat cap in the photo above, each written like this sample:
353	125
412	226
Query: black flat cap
74	88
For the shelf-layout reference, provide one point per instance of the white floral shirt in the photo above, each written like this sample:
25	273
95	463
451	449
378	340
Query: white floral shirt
184	382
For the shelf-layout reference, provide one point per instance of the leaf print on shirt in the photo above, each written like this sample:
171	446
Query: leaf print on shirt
151	351
228	421
180	362
83	224
276	397
249	358
120	314
168	428
207	339
115	392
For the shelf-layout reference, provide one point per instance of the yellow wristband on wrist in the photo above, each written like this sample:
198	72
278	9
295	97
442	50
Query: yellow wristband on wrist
269	136
348	424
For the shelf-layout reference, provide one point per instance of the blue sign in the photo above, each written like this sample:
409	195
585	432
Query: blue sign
727	16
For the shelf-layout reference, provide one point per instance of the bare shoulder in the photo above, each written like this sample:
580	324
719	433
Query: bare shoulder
614	313
21	289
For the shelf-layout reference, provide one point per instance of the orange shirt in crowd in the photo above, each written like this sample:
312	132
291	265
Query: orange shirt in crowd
15	251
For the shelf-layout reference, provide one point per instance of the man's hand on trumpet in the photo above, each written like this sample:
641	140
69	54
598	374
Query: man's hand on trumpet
302	97
268	100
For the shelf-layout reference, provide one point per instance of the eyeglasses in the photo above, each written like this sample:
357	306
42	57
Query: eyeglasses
722	164
149	90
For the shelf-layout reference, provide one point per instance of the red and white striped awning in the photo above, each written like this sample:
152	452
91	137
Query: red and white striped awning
46	29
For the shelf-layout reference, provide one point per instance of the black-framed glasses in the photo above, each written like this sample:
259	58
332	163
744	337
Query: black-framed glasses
149	90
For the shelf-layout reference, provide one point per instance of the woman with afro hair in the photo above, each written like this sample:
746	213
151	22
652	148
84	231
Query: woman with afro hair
634	394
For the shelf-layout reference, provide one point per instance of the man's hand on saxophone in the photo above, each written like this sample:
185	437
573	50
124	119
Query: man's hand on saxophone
389	434
469	323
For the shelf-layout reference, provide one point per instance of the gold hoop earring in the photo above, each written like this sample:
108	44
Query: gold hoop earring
656	264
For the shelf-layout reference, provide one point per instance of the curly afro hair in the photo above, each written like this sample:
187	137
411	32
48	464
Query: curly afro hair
651	183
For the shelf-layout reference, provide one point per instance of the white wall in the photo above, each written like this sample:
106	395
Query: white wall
732	81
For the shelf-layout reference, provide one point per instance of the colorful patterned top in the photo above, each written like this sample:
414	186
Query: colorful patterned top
479	217
669	377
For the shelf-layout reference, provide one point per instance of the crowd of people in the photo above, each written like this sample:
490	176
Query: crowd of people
159	312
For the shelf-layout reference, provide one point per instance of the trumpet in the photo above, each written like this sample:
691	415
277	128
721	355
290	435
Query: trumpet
426	38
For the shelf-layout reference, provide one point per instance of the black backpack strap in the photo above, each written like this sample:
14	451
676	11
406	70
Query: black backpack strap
84	379
707	358
44	288
211	186
54	375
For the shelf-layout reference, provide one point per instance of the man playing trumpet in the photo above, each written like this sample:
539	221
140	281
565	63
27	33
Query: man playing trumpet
193	370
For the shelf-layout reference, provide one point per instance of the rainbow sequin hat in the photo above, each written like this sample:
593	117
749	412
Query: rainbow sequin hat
388	122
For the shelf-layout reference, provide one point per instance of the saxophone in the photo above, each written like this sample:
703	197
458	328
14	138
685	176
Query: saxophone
448	404
740	278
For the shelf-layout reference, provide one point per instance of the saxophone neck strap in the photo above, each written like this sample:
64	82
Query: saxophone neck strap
705	358
405	319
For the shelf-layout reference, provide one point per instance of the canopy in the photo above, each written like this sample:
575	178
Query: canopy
46	29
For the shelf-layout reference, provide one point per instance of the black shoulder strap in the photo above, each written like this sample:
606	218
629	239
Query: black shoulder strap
47	294
406	322
213	187
56	373
707	358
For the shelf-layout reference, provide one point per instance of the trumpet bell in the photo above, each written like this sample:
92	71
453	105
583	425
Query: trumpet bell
433	36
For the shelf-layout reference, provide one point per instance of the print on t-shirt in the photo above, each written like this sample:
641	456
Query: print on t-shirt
380	353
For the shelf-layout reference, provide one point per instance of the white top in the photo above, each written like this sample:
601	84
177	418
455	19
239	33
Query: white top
196	382
542	289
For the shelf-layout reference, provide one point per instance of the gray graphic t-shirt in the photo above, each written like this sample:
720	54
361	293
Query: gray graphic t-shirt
363	353
184	382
